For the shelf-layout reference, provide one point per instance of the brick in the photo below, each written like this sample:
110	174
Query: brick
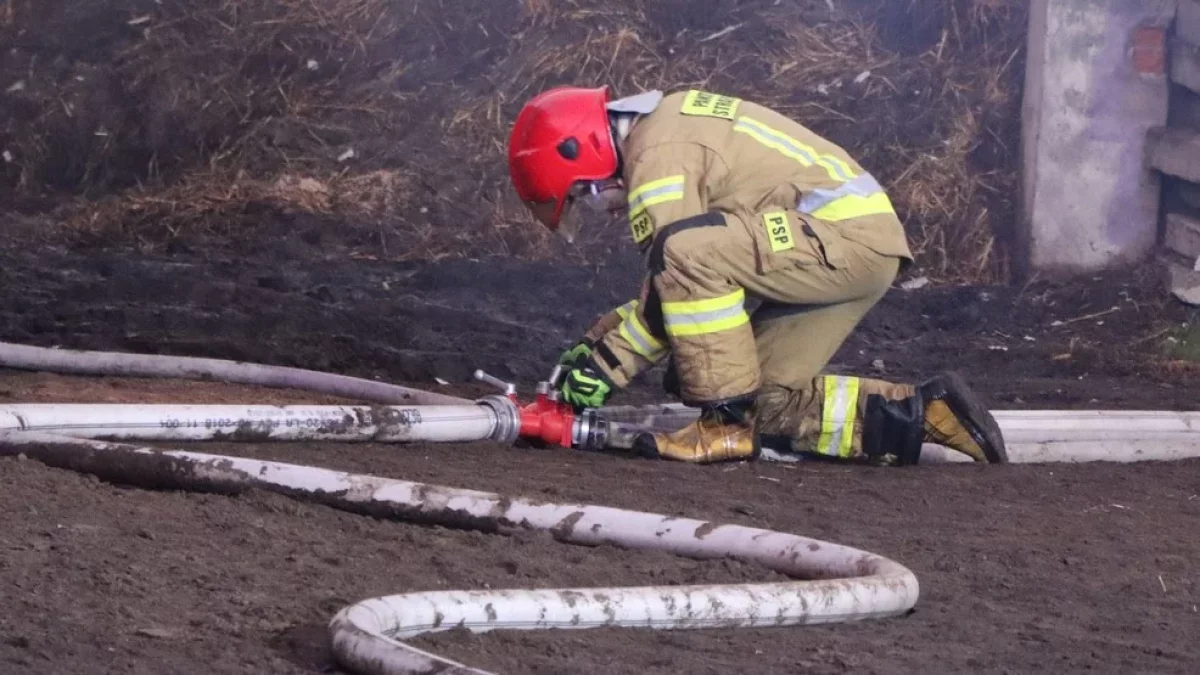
1175	152
1184	283
1185	64
1149	51
1189	193
1187	22
1183	235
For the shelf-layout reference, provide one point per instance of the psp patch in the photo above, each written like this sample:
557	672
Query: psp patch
641	226
779	231
707	104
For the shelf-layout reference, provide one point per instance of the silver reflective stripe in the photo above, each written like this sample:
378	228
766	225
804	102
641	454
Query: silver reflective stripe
637	202
791	146
745	124
862	186
703	317
633	333
838	420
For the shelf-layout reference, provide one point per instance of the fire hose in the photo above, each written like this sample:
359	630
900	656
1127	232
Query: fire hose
834	583
837	583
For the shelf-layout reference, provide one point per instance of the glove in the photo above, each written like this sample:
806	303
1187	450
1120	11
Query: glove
577	356
585	388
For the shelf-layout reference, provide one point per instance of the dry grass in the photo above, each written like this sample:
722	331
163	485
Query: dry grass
215	112
919	121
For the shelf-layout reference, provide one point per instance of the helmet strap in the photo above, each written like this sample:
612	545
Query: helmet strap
621	124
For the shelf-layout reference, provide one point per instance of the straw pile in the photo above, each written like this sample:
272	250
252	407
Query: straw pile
163	119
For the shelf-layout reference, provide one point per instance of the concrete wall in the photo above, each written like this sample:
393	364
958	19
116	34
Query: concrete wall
1095	83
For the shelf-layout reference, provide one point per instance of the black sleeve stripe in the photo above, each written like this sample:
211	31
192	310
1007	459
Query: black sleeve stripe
656	262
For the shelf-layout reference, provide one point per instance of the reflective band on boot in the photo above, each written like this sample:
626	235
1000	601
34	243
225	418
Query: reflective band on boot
838	415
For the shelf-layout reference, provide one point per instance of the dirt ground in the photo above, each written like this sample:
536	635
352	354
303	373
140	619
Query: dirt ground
321	184
1023	568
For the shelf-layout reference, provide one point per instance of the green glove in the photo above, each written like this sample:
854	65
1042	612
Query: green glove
576	356
585	388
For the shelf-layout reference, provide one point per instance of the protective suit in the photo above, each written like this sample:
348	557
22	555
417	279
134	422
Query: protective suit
765	246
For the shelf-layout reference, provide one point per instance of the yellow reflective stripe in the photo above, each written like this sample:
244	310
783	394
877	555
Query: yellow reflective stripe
855	206
628	308
838	414
638	337
702	317
737	298
777	140
862	196
669	189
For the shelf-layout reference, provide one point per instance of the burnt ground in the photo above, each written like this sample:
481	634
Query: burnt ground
176	178
1023	568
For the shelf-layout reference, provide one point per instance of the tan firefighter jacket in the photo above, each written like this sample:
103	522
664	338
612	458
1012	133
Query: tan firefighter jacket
699	152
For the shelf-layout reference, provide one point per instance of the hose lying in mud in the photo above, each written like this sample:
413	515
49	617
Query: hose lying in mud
491	418
1031	436
839	583
24	357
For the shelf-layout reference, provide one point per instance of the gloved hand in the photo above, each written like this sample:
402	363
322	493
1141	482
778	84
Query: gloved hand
576	356
585	388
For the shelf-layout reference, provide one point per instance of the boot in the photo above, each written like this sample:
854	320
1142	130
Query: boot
724	432
942	410
957	419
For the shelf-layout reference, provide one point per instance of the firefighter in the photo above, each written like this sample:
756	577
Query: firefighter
765	245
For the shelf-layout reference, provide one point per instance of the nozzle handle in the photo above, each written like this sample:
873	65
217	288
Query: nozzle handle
507	387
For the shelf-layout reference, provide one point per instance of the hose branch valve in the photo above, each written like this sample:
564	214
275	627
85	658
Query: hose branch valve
550	421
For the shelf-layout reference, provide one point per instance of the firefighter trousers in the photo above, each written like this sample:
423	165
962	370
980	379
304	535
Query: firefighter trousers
749	315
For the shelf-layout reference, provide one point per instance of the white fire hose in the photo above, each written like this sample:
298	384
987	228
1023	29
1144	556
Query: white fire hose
493	418
1032	436
25	357
836	583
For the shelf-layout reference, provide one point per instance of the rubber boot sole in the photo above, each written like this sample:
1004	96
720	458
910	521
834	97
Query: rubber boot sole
975	417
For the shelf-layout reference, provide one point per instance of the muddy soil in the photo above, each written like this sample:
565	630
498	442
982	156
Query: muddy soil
1100	342
1023	568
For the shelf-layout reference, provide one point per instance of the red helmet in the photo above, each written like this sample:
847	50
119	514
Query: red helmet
561	137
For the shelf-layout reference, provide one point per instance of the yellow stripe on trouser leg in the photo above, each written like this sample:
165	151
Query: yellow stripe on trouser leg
702	317
838	416
639	337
